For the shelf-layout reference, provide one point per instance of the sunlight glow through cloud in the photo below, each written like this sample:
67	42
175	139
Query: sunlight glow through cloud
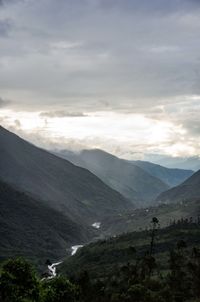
107	130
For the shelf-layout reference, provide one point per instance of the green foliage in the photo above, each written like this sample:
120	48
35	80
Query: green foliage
59	290
18	282
101	258
139	280
22	218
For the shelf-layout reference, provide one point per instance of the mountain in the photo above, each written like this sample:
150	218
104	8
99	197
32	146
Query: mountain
188	190
30	228
77	193
172	177
189	163
127	178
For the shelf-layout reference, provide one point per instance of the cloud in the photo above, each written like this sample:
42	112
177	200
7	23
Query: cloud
78	52
4	103
120	57
17	123
62	113
5	27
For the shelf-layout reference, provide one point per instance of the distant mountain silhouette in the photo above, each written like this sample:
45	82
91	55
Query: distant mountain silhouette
172	177
188	163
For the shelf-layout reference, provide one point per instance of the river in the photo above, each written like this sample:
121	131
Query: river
74	249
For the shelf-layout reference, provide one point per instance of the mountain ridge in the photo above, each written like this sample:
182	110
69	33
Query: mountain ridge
125	177
31	228
188	190
170	176
74	191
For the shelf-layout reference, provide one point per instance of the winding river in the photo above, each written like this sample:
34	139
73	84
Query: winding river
74	249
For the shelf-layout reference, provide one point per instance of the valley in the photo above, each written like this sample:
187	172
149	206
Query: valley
70	217
99	151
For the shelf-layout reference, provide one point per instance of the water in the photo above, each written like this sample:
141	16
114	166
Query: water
96	225
52	271
75	249
52	267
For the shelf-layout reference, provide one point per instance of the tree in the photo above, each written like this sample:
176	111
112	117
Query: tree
154	223
59	289
18	282
179	278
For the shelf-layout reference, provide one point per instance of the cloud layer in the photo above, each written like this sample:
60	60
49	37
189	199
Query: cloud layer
68	58
4	103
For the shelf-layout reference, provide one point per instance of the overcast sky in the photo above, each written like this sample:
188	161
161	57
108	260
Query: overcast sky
121	75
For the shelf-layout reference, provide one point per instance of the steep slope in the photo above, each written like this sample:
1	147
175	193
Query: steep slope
123	176
188	190
73	157
172	177
75	191
30	228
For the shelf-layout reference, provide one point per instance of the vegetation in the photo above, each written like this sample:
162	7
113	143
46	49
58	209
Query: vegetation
102	257
22	218
19	283
187	190
139	219
166	270
78	194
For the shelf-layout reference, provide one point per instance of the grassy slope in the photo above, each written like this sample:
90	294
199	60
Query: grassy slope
139	219
189	189
31	229
102	257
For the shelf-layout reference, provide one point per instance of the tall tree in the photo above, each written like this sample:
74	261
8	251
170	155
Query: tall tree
154	223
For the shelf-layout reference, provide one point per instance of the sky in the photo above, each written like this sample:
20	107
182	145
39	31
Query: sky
120	75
